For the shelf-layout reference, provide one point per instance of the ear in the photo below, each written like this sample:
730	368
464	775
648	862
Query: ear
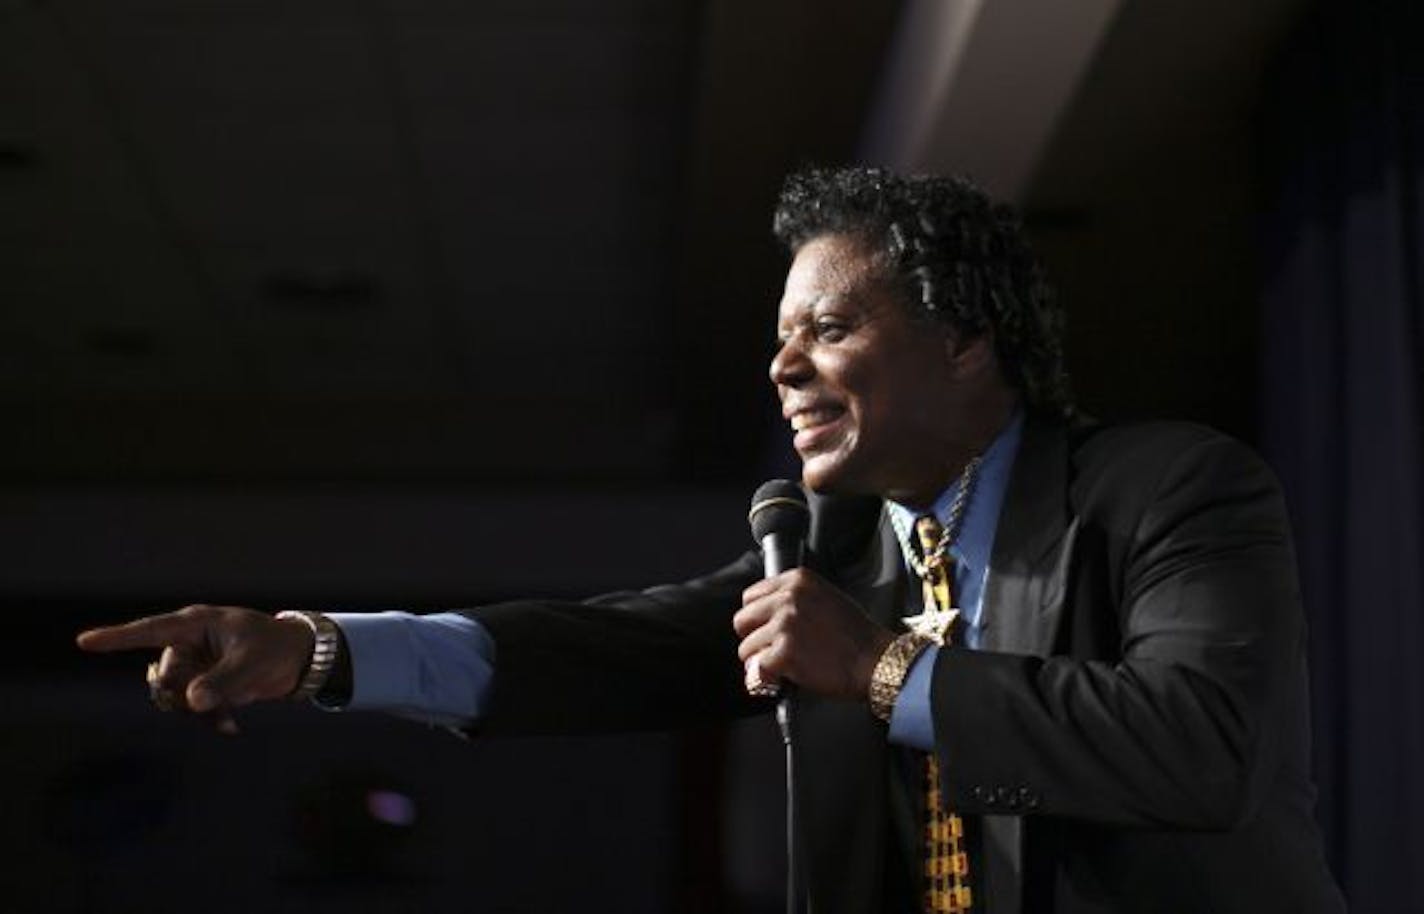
969	355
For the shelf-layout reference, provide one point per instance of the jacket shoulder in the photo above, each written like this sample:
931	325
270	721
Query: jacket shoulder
1138	463
1150	448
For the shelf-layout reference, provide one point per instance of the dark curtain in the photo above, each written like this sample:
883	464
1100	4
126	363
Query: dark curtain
1342	358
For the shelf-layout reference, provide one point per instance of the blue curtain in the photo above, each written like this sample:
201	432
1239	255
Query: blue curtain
1343	352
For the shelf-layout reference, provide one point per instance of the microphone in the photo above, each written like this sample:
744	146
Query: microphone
779	519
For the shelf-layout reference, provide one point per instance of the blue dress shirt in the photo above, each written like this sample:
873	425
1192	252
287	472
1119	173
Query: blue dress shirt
910	722
438	668
433	668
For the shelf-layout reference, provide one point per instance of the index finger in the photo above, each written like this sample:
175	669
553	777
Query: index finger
765	586
150	631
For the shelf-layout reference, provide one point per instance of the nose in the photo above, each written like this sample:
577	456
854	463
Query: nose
790	367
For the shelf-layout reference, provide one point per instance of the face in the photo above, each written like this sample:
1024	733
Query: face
859	379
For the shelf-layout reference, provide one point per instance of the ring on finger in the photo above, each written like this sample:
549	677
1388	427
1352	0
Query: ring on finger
757	685
162	698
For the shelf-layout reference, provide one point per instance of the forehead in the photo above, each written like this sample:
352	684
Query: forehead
829	269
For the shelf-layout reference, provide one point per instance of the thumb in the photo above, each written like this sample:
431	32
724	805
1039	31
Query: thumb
261	658
228	684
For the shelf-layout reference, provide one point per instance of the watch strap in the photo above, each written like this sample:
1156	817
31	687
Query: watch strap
890	672
325	644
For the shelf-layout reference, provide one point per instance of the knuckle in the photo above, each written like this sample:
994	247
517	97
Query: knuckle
802	585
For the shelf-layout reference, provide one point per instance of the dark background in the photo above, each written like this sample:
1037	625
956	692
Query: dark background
341	305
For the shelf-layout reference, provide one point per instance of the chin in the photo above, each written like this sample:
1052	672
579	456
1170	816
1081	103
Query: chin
814	475
826	474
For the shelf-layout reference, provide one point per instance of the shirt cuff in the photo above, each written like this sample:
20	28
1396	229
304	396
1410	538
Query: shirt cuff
435	668
911	723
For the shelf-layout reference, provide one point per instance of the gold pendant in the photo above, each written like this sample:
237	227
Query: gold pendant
932	623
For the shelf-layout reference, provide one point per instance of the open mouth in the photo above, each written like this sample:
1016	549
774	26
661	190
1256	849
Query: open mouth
813	426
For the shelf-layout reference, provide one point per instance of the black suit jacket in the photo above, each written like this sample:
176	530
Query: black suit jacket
1133	732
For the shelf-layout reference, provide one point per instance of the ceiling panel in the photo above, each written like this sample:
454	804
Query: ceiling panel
321	58
553	67
345	317
336	231
77	186
260	176
100	320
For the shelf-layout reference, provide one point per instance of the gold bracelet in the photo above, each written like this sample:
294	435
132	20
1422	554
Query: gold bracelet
325	642
890	671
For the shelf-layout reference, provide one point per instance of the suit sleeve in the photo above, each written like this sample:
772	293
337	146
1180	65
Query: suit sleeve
652	659
1183	727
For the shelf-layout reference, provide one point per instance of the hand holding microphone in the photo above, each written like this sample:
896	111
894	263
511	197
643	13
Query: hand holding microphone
779	520
796	626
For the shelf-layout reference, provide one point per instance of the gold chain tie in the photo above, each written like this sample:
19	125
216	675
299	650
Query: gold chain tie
946	863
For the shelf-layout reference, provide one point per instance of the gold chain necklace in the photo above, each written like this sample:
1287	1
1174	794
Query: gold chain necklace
950	532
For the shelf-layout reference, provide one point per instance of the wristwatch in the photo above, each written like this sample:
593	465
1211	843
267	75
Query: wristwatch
323	656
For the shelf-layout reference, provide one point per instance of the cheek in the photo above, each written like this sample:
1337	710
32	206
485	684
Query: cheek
858	383
867	404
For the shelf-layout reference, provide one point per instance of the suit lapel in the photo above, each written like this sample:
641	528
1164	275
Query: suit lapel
1023	596
1023	603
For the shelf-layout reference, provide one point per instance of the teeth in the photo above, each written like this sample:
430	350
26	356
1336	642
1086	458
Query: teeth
811	417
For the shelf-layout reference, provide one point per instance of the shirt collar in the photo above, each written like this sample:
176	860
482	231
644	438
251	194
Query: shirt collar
975	543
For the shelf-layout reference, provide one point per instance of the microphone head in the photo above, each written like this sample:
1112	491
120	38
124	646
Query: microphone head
779	506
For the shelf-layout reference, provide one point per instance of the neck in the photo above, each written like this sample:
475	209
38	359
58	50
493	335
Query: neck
972	439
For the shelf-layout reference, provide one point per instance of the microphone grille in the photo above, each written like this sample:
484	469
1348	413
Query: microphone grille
779	506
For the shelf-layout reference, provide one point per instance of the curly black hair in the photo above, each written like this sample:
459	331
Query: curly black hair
956	255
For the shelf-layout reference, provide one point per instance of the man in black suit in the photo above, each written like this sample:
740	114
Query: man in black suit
1120	712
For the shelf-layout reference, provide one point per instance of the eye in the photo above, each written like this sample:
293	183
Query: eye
830	330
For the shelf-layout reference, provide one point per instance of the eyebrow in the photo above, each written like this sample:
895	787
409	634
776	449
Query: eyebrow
805	314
